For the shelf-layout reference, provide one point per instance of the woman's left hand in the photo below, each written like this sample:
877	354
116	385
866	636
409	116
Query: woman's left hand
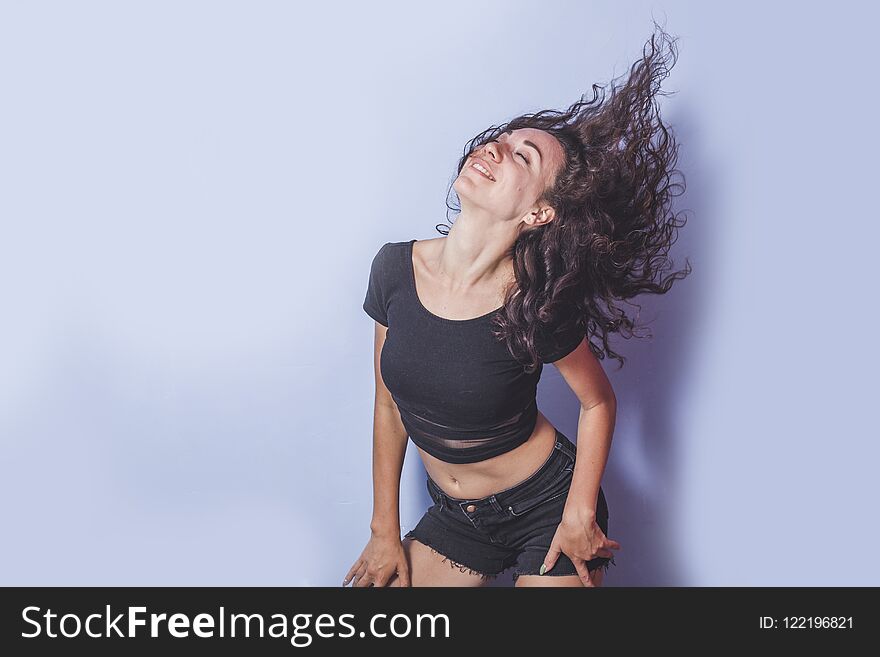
581	539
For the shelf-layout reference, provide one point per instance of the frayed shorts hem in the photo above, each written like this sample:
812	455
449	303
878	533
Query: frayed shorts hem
455	564
563	573
554	572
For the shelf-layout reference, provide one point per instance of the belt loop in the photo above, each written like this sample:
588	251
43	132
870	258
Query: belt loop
434	488
567	447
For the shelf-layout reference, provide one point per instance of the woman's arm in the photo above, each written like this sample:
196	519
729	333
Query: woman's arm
579	535
584	374
389	450
595	431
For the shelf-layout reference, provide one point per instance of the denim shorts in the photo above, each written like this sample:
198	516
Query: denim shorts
510	528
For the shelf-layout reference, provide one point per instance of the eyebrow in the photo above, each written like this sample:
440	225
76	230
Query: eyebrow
526	142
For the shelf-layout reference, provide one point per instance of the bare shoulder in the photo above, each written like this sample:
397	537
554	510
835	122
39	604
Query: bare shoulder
427	247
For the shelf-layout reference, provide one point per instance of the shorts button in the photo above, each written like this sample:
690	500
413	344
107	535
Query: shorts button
471	508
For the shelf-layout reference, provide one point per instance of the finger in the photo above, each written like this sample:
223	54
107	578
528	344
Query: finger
591	575
352	571
383	580
550	558
403	575
610	542
350	574
359	575
365	581
395	580
583	572
603	552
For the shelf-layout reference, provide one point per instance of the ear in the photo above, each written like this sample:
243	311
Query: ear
539	216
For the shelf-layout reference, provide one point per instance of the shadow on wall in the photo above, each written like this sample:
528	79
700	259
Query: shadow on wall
642	475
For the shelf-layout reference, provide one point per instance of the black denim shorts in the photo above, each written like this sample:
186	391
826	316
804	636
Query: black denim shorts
510	528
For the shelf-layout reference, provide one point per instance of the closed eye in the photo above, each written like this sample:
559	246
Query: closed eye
520	154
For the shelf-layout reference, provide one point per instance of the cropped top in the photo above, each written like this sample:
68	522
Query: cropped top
462	396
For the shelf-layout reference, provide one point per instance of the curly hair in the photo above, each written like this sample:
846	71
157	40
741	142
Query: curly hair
612	230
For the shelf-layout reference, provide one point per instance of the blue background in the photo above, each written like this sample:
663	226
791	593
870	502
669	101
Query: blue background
190	197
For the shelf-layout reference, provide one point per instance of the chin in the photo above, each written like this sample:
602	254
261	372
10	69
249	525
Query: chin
457	184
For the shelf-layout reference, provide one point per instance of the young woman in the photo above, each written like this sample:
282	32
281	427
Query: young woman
562	214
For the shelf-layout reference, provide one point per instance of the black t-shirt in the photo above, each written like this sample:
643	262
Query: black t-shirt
462	396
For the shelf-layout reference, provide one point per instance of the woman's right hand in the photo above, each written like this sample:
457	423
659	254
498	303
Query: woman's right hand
380	561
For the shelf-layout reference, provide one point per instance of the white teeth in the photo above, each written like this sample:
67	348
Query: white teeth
481	168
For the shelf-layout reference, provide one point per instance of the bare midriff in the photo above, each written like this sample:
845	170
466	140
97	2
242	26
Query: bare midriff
483	478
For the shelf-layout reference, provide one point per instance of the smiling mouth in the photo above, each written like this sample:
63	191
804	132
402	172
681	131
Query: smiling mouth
479	168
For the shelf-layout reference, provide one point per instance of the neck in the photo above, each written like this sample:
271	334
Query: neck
476	252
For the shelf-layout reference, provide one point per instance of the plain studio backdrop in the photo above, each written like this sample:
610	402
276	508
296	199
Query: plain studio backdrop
191	195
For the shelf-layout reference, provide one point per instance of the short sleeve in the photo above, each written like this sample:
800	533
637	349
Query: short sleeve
561	344
376	300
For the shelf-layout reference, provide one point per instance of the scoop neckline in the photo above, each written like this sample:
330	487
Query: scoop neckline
421	306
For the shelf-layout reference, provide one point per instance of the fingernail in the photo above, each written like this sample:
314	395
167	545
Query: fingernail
543	569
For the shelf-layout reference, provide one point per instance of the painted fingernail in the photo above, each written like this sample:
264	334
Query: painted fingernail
543	569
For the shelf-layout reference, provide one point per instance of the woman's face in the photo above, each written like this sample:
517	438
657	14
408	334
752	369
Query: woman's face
522	163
